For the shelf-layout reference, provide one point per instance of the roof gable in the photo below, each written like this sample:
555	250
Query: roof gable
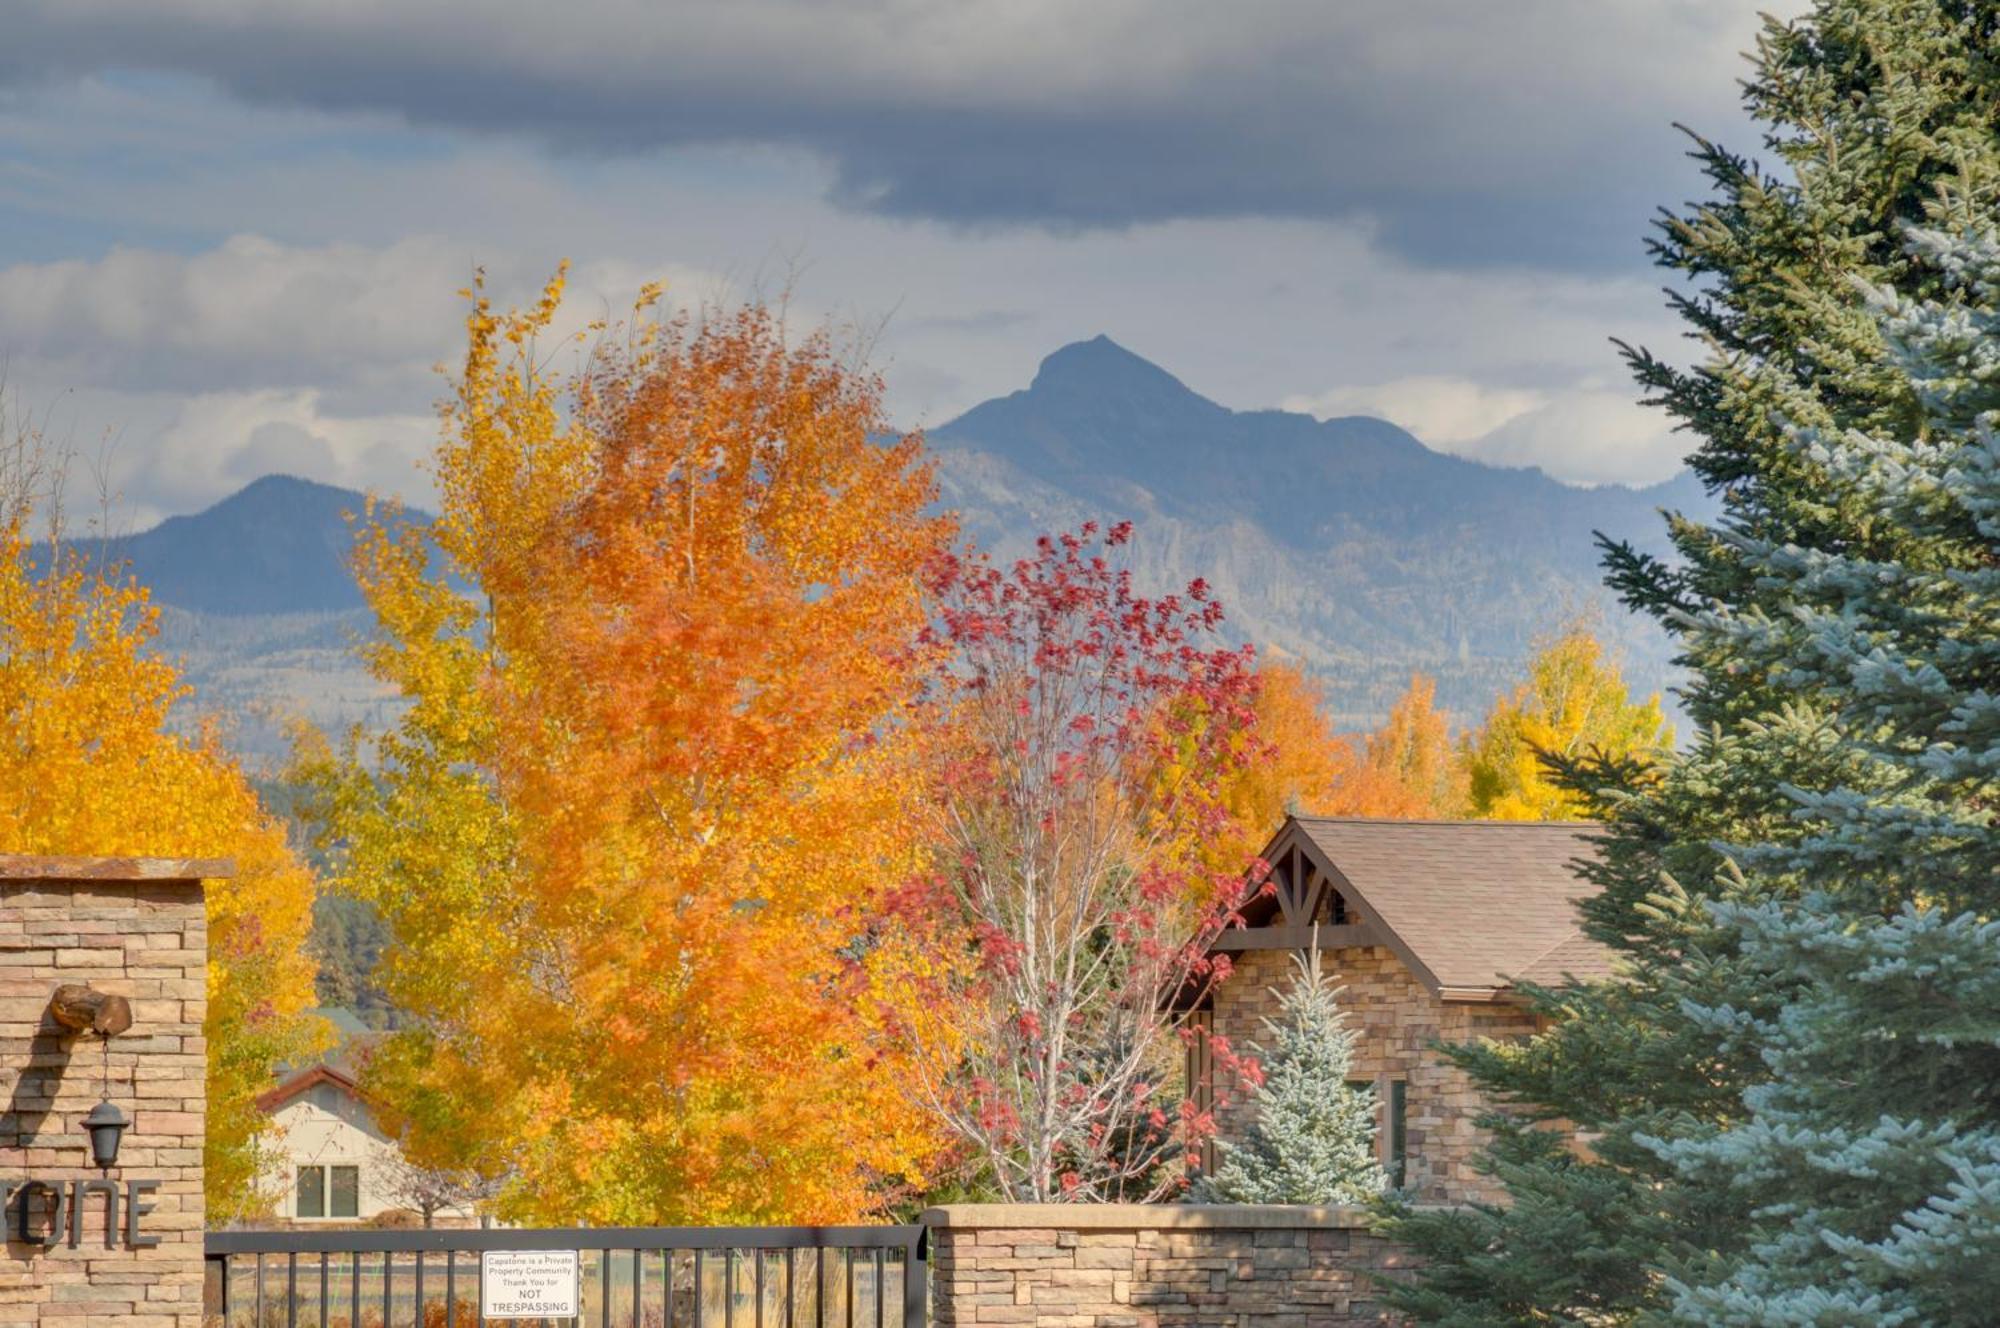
1468	906
297	1085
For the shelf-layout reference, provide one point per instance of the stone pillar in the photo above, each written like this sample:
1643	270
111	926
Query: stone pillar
129	927
1153	1265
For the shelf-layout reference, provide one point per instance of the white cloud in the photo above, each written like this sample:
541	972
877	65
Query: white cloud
343	315
219	441
159	453
270	311
1588	432
197	373
1441	411
1588	436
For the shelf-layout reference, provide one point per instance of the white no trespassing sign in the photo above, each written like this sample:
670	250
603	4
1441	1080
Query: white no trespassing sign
528	1284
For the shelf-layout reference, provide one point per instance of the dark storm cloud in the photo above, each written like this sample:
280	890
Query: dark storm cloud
1463	132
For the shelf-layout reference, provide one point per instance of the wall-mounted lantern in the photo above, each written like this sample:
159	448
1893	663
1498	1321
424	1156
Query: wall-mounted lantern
81	1009
106	1126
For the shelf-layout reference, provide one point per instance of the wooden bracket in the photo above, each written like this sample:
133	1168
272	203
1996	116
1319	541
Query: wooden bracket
82	1009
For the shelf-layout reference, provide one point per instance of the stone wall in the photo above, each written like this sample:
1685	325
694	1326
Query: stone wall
135	928
1396	1019
1155	1266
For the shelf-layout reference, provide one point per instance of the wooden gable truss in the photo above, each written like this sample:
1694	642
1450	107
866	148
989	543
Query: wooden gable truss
1306	903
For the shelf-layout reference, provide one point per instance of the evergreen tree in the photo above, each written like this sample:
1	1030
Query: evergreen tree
1867	1172
1313	1141
1884	114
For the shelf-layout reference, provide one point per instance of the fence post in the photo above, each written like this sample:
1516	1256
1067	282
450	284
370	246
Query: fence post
916	1281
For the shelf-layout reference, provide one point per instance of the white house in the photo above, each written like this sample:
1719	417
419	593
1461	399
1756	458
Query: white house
335	1165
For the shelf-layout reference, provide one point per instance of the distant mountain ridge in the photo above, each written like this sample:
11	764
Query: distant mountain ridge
1346	544
1096	413
278	545
257	602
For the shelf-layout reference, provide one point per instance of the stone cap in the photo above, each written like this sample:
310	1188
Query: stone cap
42	867
1146	1217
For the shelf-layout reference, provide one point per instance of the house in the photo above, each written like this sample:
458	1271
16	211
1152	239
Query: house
333	1164
1427	925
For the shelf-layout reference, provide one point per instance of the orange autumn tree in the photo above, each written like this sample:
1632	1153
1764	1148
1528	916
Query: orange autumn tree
650	784
1299	772
90	764
1409	768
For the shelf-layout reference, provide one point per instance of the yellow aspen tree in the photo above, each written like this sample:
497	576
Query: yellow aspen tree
1573	703
90	764
1297	772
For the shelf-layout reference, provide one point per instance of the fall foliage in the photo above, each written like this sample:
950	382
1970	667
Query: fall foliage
1298	770
748	853
89	764
1573	704
1090	738
652	781
1409	768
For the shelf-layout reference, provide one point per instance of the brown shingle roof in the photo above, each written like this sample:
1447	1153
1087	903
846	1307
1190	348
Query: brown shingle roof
293	1085
1576	955
1467	904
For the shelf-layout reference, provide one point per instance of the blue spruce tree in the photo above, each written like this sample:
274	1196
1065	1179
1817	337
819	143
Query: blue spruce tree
1867	1169
1313	1141
1877	115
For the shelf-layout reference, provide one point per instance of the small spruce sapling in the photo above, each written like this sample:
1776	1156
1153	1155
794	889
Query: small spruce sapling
1313	1140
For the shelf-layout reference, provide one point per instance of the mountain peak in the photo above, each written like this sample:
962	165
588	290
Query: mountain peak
278	545
1101	367
283	492
279	481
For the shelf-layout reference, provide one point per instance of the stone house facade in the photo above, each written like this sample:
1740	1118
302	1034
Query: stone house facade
1426	924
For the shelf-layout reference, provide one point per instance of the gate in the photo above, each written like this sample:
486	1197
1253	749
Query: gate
630	1277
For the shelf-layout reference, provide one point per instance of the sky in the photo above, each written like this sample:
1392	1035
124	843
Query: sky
233	232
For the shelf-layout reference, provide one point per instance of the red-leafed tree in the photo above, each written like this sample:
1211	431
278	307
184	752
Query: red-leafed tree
1089	737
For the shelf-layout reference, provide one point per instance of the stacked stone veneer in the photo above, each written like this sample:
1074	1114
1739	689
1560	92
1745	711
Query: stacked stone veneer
1151	1266
1396	1020
134	928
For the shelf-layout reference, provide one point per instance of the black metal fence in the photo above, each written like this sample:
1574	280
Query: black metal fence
630	1277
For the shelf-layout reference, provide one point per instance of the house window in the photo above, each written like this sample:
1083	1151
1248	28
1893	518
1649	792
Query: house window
1399	1139
1392	1121
312	1192
344	1193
